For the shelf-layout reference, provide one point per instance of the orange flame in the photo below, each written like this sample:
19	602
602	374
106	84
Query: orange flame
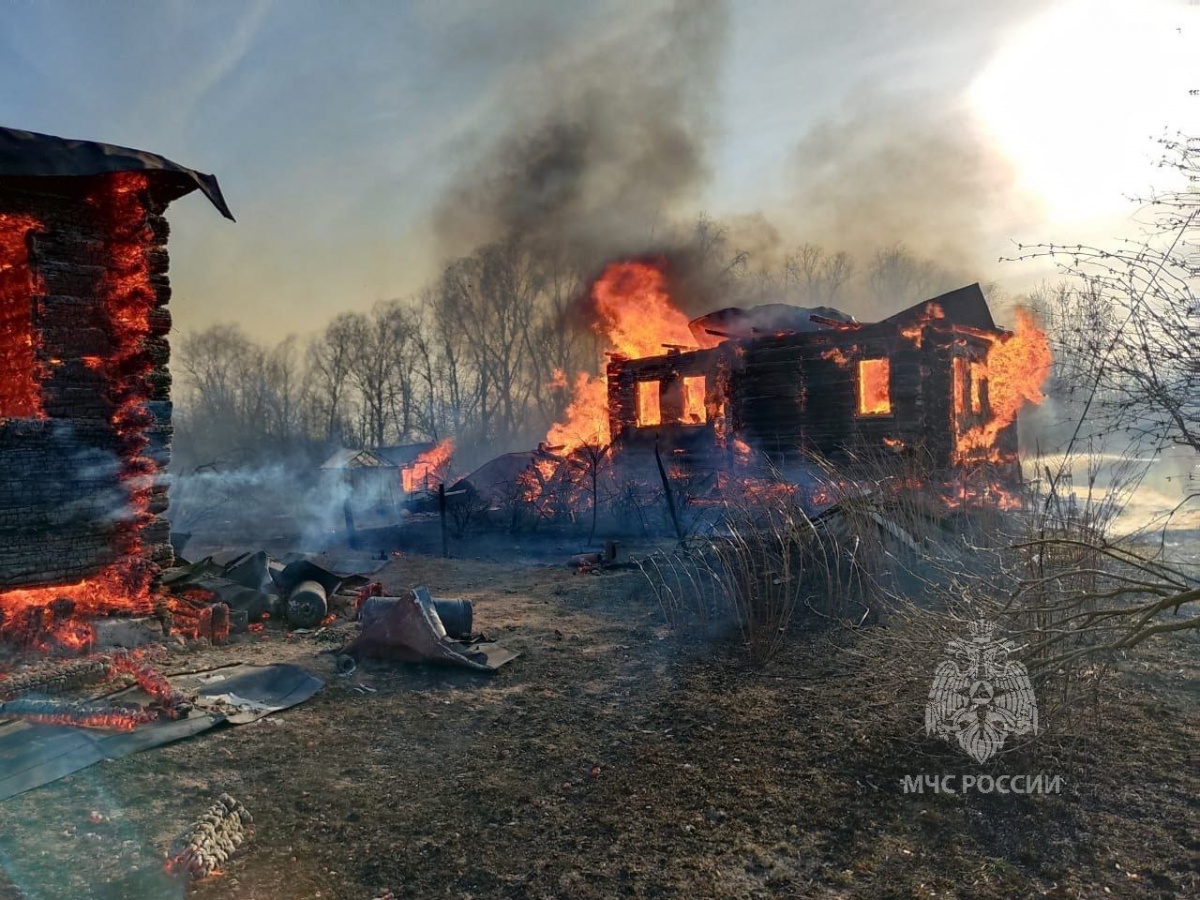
649	404
1016	369
694	411
874	388
558	380
636	318
635	311
587	416
428	468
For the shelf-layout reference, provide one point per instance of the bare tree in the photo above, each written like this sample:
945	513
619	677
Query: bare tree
819	277
896	278
221	367
329	360
1128	320
380	369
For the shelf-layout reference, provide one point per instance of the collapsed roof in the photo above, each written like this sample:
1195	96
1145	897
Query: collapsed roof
964	306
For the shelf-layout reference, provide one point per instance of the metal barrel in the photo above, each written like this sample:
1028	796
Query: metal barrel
456	615
374	608
306	605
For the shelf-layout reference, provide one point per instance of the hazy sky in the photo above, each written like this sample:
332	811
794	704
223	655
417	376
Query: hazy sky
338	129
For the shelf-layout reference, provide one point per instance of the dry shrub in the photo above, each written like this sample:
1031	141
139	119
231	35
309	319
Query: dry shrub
1054	576
795	548
889	538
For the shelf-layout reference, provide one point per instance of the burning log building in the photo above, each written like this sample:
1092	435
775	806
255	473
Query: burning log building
816	381
85	412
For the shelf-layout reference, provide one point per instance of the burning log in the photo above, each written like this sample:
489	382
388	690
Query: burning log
59	679
208	843
80	713
197	618
173	704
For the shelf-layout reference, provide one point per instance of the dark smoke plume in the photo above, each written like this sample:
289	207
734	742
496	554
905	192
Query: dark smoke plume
609	140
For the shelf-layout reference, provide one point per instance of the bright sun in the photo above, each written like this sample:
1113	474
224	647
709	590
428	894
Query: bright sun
1077	96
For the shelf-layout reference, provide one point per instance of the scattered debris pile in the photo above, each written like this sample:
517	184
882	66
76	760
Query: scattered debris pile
212	599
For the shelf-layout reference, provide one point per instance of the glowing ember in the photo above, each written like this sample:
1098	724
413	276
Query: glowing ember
81	714
874	389
834	354
153	683
1017	366
125	586
915	333
20	394
429	468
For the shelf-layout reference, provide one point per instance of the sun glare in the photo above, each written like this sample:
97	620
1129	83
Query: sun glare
1077	96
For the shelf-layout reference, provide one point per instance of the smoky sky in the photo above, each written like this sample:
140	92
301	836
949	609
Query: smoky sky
361	145
611	143
608	135
888	170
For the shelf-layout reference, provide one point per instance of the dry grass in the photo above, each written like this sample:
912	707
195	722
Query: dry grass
886	547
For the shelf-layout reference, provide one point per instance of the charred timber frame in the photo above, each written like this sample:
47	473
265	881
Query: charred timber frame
790	395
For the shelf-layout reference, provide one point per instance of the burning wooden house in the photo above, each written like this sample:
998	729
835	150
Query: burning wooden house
939	376
85	412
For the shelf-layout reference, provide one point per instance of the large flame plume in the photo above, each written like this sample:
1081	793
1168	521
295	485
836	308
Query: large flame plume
428	469
636	318
1016	369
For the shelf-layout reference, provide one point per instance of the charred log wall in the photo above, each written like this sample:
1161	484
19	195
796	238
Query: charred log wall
668	371
789	395
78	485
798	394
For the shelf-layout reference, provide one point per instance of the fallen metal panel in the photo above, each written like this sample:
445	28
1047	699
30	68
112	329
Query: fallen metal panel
261	690
34	755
